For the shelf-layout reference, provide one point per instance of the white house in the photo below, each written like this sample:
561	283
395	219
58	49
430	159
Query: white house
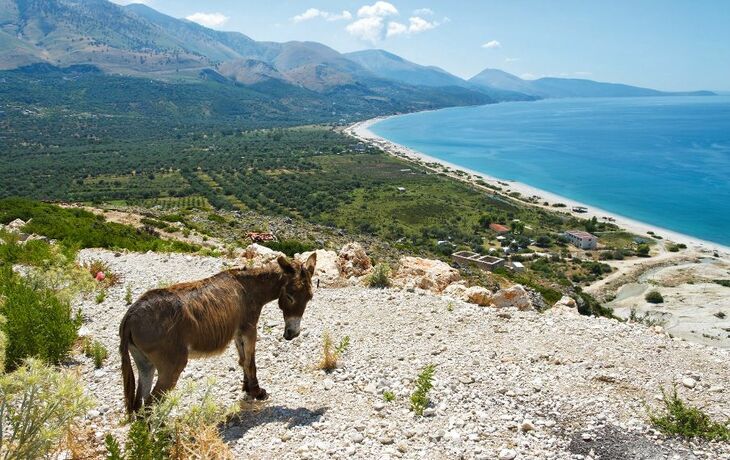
581	239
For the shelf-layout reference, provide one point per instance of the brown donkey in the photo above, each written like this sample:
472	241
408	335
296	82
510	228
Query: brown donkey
167	326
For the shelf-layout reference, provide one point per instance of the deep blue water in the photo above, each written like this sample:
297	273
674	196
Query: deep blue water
664	161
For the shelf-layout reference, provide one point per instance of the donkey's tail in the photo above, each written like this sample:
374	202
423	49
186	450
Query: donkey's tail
125	337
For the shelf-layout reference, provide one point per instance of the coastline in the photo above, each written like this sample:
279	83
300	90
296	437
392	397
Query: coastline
361	130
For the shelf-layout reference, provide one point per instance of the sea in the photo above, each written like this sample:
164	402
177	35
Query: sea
664	161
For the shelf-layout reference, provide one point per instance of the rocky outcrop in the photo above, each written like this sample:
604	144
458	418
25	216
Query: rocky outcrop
427	274
515	296
352	260
565	306
327	272
256	255
478	295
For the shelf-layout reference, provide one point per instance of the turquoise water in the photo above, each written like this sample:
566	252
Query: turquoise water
664	161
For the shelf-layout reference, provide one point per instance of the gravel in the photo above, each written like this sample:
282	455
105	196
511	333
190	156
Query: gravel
520	385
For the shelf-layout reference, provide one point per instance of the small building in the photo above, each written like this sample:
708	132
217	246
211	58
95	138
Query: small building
580	209
401	189
499	228
488	263
581	239
517	266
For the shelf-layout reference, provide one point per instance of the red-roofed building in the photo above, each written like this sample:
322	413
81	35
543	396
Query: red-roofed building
499	228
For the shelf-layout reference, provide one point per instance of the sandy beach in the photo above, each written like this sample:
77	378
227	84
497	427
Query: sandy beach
361	130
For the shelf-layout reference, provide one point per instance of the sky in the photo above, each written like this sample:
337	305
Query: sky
662	44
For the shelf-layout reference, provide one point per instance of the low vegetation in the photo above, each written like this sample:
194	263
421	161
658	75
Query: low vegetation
95	350
38	322
654	297
379	277
290	247
331	353
424	383
681	419
172	431
37	408
388	396
78	228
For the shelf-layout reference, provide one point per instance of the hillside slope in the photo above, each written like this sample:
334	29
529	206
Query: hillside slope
550	87
508	384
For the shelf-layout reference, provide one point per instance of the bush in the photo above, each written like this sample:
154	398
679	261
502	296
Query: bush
642	250
38	406
388	396
38	323
166	433
95	350
380	276
654	297
687	421
290	247
424	383
79	228
331	354
3	343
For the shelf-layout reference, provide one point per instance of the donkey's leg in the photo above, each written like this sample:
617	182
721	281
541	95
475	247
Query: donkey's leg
146	371
250	382
169	367
238	340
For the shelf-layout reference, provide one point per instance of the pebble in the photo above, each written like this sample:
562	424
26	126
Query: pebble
689	382
507	454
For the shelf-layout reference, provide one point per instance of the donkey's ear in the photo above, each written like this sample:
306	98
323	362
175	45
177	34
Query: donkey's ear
311	263
285	264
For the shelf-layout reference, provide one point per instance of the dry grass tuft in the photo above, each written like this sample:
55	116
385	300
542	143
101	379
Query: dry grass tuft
329	355
95	266
204	443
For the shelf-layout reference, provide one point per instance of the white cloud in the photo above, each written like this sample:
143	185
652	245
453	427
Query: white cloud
208	19
423	12
378	9
368	29
396	28
313	13
372	23
419	24
492	44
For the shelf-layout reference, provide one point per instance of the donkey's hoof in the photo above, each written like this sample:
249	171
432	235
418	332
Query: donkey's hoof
260	395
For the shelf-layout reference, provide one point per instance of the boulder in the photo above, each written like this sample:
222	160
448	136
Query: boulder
515	296
565	306
353	261
327	272
478	295
455	290
256	255
16	225
427	274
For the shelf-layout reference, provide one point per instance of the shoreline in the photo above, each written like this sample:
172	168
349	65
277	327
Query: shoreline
361	130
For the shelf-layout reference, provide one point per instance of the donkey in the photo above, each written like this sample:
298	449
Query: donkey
166	327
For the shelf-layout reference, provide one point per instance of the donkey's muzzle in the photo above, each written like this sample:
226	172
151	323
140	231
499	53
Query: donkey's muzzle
290	334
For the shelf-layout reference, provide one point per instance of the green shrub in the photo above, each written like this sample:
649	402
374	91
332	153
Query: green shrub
642	250
388	396
95	350
38	323
80	228
166	432
38	406
101	296
128	295
654	297
690	422
424	383
380	276
3	343
725	283
290	247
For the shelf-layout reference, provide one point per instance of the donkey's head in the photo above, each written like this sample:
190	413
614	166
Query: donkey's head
296	292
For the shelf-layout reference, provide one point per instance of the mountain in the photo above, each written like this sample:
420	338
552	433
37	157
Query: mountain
392	67
550	87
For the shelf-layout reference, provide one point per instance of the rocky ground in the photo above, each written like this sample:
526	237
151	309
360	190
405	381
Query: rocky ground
508	383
